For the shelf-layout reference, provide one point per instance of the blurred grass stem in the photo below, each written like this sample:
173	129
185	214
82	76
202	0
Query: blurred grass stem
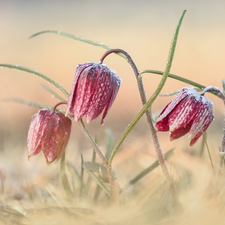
221	95
114	193
146	105
147	113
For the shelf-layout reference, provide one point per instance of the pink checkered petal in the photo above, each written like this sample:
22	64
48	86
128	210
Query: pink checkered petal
184	113
203	119
168	109
35	132
115	88
74	92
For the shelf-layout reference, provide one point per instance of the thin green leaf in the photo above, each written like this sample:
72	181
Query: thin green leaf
76	37
74	172
109	148
53	93
146	171
100	169
210	158
82	174
100	183
223	84
170	94
21	68
107	133
39	105
64	178
89	181
178	91
154	95
184	80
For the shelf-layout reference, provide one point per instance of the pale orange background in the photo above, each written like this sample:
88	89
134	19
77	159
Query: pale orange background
142	28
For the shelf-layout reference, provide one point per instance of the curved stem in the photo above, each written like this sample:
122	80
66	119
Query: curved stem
134	67
216	90
222	148
147	114
60	103
146	105
102	157
184	80
146	171
173	76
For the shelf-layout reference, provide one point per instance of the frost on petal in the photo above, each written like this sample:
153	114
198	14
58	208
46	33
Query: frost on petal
50	133
50	141
85	91
184	113
181	131
73	93
168	109
102	92
35	132
163	125
65	123
93	91
115	88
203	119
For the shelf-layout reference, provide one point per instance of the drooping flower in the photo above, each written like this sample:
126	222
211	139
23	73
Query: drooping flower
49	132
188	112
94	89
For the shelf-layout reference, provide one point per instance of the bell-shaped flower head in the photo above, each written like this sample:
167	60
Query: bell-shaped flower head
94	89
188	112
49	132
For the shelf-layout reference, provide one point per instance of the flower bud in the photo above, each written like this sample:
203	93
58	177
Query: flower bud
49	132
94	89
188	112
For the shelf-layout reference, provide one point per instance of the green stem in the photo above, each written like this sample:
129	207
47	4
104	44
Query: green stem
102	157
210	158
221	95
173	76
184	80
149	103
22	68
150	168
64	178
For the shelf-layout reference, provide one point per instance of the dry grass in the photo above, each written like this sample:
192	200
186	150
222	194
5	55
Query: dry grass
31	192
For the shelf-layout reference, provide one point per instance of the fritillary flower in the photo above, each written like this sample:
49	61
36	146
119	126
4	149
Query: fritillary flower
188	112
49	132
94	89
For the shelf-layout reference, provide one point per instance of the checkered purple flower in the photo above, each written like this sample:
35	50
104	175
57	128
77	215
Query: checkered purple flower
49	132
188	112
94	89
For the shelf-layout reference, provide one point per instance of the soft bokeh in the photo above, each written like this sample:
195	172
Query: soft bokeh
142	28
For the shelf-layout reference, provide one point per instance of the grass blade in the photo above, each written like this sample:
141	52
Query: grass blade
76	37
64	178
210	158
74	172
24	69
100	169
53	93
100	183
38	105
223	85
173	76
146	171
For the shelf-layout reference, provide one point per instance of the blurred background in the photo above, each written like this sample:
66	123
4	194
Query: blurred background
142	28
